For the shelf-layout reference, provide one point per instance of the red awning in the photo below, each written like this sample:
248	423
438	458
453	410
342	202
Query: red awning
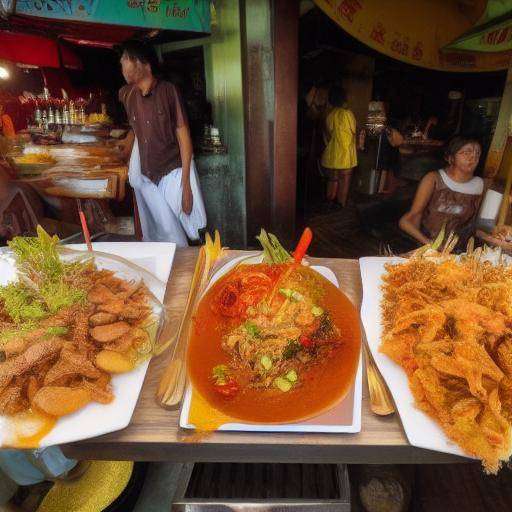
69	58
35	50
29	49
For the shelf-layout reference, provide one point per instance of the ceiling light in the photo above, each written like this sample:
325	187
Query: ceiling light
4	73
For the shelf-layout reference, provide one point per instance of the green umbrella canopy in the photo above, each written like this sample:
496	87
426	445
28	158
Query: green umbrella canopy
491	33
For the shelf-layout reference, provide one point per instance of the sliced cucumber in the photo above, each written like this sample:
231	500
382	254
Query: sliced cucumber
317	311
283	384
292	376
266	362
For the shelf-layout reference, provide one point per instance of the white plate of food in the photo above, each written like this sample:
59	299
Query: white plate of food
135	310
436	331
307	379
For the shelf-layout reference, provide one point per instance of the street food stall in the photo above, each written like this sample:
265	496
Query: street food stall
65	143
146	351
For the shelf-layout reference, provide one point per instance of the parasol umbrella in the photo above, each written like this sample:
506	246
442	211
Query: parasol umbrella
419	32
491	33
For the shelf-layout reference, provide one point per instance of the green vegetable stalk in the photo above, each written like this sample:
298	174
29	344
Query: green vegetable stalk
273	251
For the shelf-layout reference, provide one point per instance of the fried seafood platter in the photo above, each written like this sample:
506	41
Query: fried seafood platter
66	328
447	322
273	342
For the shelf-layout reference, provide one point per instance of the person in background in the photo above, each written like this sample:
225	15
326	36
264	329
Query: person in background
449	197
6	124
317	101
389	157
162	170
339	156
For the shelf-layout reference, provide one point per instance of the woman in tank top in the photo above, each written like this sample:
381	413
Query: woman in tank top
449	196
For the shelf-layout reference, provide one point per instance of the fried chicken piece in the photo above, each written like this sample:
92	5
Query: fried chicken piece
122	344
14	347
110	332
32	387
70	365
102	318
114	307
134	311
78	360
127	289
99	393
34	355
12	400
100	294
81	331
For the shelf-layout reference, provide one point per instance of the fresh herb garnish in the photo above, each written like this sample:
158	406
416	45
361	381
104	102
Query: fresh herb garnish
326	328
291	349
46	284
220	374
252	329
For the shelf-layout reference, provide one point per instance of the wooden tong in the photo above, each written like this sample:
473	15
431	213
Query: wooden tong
172	385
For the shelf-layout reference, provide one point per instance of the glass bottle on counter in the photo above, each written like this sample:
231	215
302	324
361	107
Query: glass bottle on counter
44	121
82	115
51	116
72	113
65	115
38	117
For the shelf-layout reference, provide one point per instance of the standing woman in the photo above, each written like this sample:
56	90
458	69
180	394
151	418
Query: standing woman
339	157
448	197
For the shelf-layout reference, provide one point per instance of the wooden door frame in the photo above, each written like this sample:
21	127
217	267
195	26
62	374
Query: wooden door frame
271	185
286	70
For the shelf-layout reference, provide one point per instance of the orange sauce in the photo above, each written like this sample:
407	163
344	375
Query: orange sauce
322	385
27	429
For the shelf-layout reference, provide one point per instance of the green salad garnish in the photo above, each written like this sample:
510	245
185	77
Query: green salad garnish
45	285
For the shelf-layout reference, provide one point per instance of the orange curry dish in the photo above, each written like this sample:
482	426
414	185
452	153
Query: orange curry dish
273	343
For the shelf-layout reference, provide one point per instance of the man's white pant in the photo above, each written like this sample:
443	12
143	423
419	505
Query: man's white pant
161	216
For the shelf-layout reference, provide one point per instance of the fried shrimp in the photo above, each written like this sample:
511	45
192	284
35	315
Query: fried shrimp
449	325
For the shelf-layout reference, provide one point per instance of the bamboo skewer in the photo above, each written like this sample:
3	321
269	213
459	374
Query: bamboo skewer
83	222
172	384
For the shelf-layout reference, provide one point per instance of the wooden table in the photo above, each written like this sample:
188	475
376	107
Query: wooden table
154	433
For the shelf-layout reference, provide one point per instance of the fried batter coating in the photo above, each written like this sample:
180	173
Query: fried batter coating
53	367
449	325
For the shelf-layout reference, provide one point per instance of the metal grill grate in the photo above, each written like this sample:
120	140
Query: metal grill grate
270	487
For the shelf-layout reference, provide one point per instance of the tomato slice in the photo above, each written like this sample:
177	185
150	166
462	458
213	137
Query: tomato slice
228	302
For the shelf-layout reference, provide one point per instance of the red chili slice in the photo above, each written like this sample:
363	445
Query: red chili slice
229	389
306	341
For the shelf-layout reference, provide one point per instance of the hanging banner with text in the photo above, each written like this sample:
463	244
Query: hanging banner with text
186	15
